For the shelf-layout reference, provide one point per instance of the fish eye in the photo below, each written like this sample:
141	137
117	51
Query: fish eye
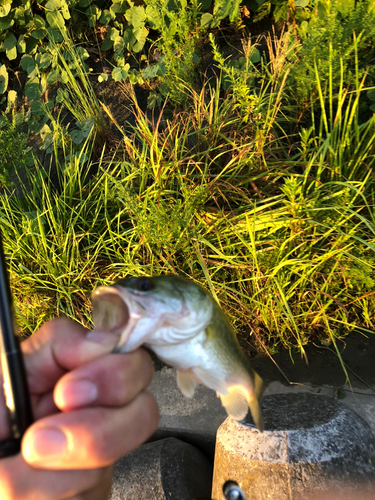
144	285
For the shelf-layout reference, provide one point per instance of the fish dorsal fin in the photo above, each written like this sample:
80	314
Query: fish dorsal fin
187	381
211	380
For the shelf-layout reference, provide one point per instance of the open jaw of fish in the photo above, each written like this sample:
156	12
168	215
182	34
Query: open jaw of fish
132	317
178	335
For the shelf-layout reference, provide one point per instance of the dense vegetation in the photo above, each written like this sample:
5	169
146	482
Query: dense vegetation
248	169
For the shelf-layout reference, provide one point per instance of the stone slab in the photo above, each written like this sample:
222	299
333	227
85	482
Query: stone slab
163	470
311	444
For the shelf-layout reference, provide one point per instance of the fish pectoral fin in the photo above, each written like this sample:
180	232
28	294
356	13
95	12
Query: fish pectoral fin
210	380
235	402
238	401
187	381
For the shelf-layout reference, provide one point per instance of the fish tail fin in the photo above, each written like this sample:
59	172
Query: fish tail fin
239	399
255	400
258	386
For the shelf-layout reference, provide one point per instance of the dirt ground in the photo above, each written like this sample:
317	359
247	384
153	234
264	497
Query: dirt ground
324	368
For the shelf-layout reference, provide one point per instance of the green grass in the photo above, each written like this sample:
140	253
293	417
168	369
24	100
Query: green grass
275	219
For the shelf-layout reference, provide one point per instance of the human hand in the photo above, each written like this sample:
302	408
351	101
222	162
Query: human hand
105	414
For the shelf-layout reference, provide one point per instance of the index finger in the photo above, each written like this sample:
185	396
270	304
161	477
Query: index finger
61	345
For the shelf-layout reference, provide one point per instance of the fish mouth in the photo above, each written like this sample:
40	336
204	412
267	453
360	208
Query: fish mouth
115	312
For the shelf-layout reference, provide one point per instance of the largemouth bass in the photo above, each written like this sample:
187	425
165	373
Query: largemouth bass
186	328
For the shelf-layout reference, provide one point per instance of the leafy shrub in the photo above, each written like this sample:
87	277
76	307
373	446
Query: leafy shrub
14	154
333	39
26	31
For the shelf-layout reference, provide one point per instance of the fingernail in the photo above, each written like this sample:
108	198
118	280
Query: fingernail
76	393
46	442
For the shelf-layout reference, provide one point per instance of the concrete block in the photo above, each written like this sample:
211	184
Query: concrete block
194	420
162	470
312	444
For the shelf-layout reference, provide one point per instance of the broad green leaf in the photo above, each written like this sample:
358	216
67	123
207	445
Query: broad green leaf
43	60
153	99
107	44
206	20
103	77
301	3
76	136
86	126
134	77
21	44
6	22
43	84
38	34
129	38
153	17
31	45
3	79
112	34
12	96
55	19
37	108
371	94
54	35
150	71
12	53
65	9
82	53
140	35
119	74
21	16
33	89
39	22
5	8
28	63
234	13
106	17
119	7
93	13
62	95
255	56
136	16
84	3
118	44
10	41
222	8
53	5
53	77
119	58
162	66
